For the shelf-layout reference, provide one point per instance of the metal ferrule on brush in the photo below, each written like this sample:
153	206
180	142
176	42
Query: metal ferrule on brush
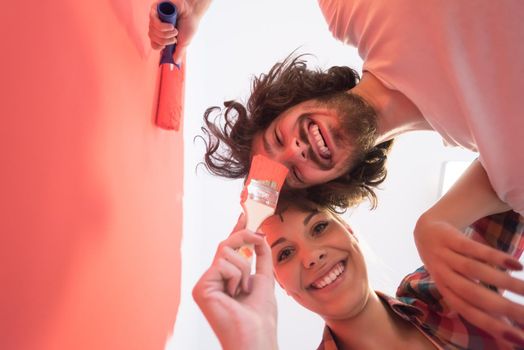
263	192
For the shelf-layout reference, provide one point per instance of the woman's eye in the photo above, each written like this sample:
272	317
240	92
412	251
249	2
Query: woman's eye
319	228
284	254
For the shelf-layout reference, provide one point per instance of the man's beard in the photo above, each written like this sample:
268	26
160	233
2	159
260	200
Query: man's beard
358	125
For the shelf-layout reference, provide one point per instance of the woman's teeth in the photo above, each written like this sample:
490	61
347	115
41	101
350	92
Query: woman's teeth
324	151
330	277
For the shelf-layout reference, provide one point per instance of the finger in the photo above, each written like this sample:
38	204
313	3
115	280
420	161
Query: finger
157	43
483	298
238	239
156	46
488	274
480	319
242	264
165	35
160	26
480	297
264	263
466	246
180	54
163	27
230	274
162	34
215	279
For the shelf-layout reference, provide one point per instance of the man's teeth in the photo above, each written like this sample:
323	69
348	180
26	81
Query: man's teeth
320	141
329	277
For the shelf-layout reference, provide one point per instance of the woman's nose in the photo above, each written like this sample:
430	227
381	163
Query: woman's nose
314	258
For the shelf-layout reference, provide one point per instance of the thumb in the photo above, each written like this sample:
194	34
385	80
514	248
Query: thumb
180	54
264	263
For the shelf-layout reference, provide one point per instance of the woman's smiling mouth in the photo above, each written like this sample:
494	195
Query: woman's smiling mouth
330	277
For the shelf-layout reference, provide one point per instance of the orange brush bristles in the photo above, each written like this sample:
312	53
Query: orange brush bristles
267	170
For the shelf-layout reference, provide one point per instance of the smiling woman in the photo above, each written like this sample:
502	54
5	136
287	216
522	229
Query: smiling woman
316	259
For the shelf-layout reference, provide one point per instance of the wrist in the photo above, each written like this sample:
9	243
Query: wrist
260	337
252	343
198	7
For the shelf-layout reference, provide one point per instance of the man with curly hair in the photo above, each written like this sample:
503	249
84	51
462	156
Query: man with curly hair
292	115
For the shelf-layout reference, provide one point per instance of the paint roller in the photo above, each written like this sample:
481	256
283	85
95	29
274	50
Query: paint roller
172	76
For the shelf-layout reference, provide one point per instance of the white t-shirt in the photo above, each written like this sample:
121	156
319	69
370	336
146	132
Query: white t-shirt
461	62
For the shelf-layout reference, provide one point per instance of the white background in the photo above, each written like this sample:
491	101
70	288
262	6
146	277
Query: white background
240	39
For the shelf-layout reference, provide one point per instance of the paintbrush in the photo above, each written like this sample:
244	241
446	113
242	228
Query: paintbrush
260	194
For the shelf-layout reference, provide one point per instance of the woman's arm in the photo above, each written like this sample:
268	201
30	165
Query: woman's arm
457	263
240	307
469	199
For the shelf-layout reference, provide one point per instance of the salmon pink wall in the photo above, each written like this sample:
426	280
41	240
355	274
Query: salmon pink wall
90	189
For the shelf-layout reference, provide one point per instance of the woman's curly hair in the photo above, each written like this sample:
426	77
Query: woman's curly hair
228	133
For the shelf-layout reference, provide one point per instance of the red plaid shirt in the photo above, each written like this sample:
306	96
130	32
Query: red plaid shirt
419	302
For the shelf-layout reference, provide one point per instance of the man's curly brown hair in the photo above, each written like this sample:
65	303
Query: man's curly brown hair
229	132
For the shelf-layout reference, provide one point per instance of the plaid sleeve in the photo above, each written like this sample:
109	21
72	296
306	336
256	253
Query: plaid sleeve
503	231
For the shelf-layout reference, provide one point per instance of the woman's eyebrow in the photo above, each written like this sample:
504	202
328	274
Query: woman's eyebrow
278	241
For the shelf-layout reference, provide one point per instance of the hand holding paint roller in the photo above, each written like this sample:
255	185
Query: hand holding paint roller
260	194
172	76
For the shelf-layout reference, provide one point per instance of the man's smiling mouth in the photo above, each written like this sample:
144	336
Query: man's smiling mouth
319	141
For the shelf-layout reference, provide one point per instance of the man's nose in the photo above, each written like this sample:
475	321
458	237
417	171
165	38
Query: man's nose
296	151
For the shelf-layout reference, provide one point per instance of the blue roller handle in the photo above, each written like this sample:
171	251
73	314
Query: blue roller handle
167	12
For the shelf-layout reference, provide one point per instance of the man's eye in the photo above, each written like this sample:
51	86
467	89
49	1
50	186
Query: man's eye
319	228
279	141
297	176
284	254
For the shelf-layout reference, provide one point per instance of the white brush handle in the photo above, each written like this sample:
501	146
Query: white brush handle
256	213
